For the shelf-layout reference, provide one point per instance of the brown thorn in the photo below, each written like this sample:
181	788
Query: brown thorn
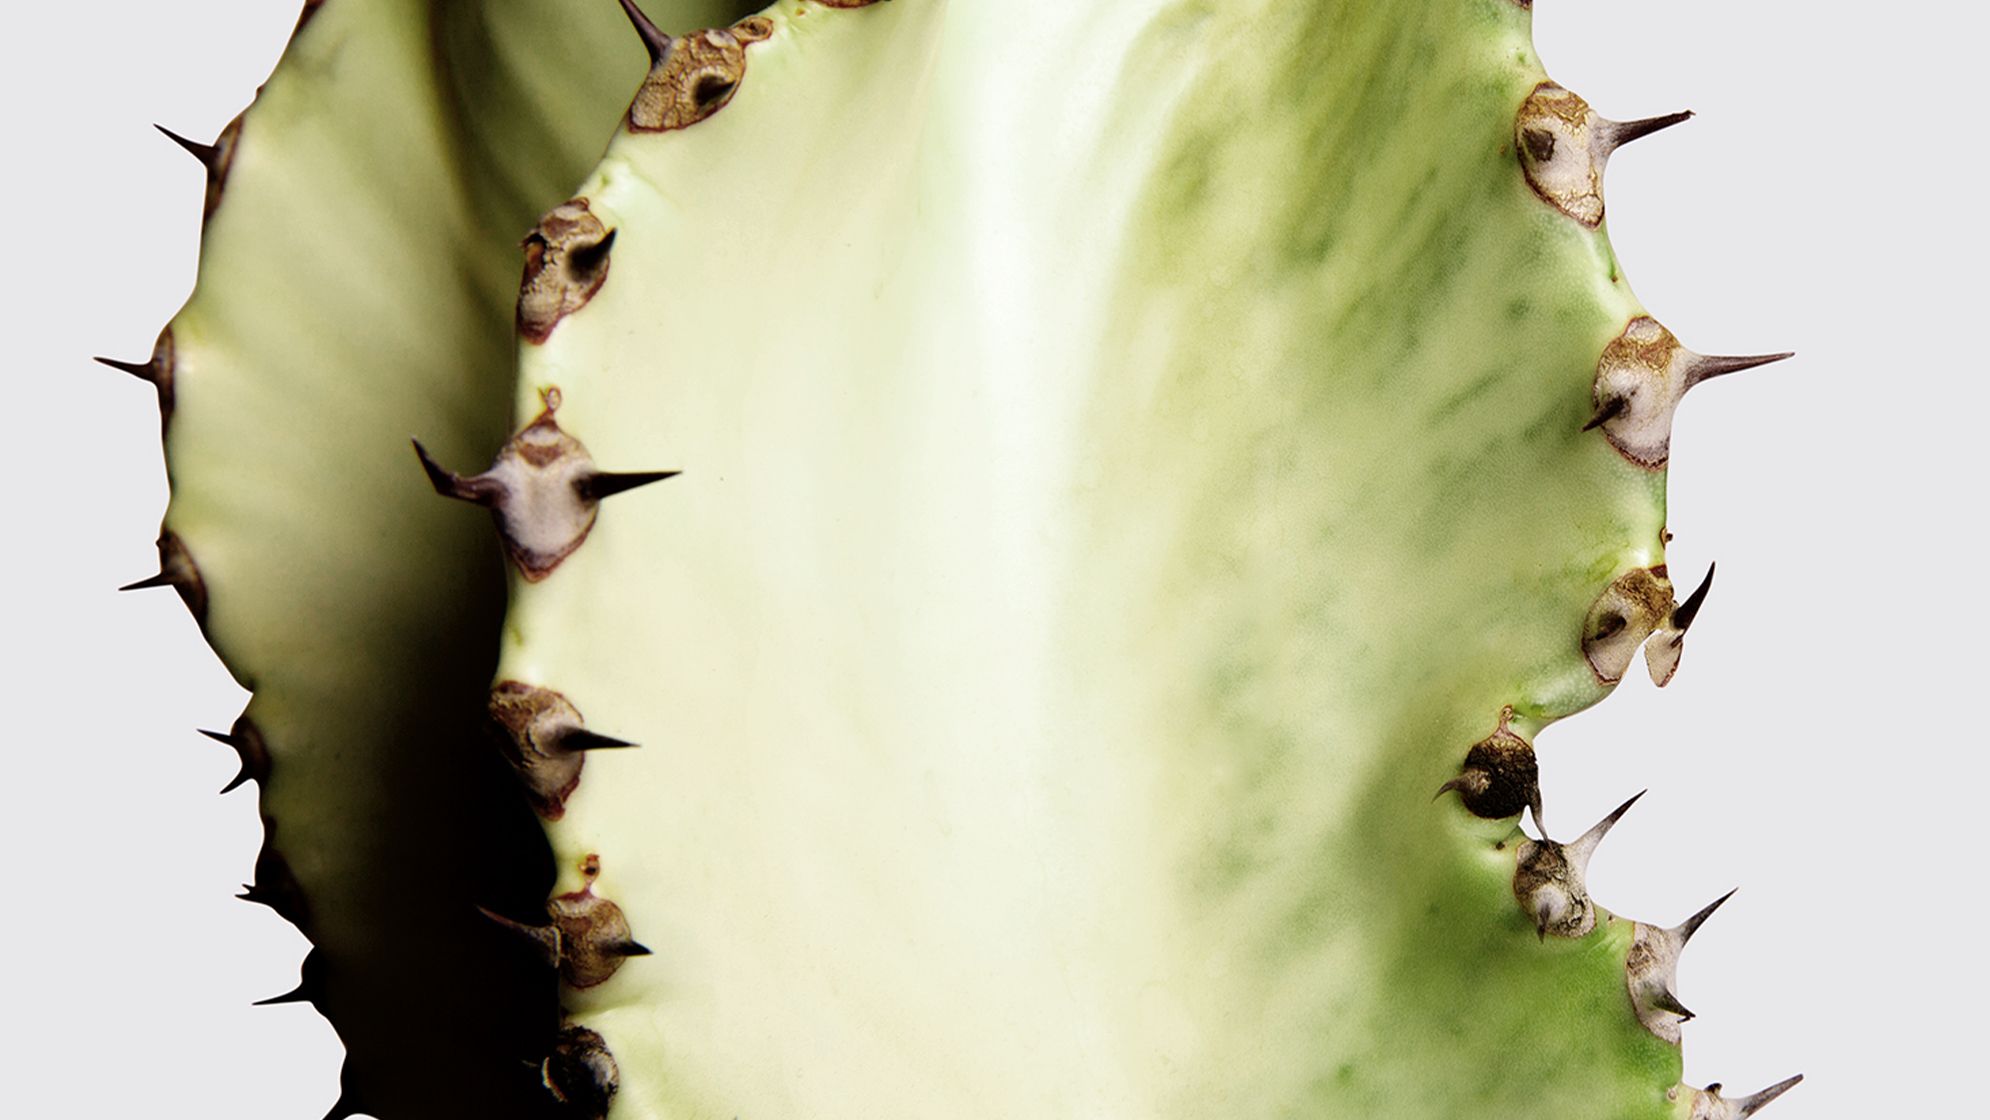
581	739
144	371
546	938
149	582
310	984
1664	1000
177	571
607	484
1684	614
242	775
628	949
1617	814
1704	368
1620	133
1755	1102
1692	925
1582	847
275	886
1459	784
207	154
1607	412
449	484
654	40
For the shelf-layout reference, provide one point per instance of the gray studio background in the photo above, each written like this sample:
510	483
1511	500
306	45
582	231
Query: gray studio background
1822	747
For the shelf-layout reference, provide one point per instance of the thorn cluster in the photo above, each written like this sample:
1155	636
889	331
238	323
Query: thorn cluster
587	939
1550	879
543	489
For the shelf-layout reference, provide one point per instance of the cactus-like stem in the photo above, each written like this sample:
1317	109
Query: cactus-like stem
1133	453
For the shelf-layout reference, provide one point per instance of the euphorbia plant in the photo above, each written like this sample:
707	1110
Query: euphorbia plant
1011	512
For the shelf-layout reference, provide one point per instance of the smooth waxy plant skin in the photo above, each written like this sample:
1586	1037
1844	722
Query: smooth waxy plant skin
1036	497
358	270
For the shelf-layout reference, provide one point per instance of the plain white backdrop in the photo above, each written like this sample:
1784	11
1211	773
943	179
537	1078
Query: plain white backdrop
1823	747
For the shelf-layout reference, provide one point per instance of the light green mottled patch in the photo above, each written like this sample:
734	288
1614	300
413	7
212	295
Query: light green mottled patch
1130	452
356	287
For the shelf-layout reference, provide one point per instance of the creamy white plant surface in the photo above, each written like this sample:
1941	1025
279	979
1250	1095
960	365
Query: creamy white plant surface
1816	749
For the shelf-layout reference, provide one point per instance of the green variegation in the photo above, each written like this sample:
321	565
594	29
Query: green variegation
1037	496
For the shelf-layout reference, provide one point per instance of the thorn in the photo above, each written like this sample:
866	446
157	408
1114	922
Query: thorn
1664	1000
628	949
207	154
449	484
1690	926
547	938
1684	613
1582	847
1619	133
1750	1105
247	742
242	775
655	41
311	980
1704	368
1608	411
607	484
533	932
141	370
580	739
161	580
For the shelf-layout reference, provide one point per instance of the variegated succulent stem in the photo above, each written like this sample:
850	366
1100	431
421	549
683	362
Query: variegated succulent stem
1124	457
